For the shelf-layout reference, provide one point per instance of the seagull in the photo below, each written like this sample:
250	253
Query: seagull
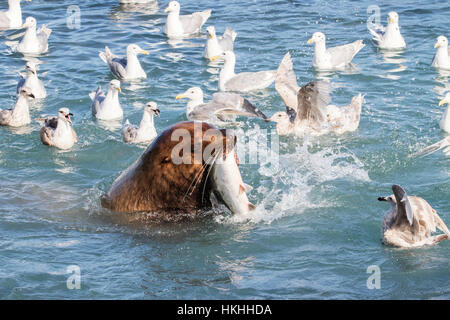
107	107
335	57
12	18
442	56
34	41
390	37
19	115
31	80
245	81
307	109
58	132
215	46
410	221
127	68
180	26
445	121
222	107
146	131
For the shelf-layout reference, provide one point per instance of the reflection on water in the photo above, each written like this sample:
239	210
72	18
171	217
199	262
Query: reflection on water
127	11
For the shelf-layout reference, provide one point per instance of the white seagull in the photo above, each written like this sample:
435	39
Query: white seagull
31	80
335	57
245	81
307	109
390	37
442	57
180	26
146	131
223	106
410	221
12	18
107	107
19	115
215	46
34	41
58	132
128	68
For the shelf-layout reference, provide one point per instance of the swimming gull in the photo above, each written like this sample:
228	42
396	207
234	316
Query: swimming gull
146	131
445	121
12	18
335	57
215	46
411	221
390	37
224	106
245	81
31	80
127	68
179	26
58	132
19	115
307	109
34	41
107	107
442	56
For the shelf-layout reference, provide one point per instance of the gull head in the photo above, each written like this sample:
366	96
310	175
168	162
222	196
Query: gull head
392	17
442	41
193	94
115	85
279	117
65	114
31	67
152	108
227	56
26	92
135	49
29	23
173	6
211	31
317	37
445	100
390	199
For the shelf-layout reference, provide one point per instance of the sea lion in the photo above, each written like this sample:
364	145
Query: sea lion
172	175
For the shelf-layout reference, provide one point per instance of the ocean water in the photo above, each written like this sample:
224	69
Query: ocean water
316	229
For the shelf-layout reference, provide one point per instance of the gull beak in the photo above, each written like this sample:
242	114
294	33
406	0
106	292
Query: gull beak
157	112
180	96
23	26
167	9
391	20
443	101
144	52
437	45
31	95
310	41
119	89
215	58
211	36
382	199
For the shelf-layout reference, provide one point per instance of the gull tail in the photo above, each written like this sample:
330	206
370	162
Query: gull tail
376	31
94	94
205	15
45	32
444	143
12	44
106	56
230	32
440	224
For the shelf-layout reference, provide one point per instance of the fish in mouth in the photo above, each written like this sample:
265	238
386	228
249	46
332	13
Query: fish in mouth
228	185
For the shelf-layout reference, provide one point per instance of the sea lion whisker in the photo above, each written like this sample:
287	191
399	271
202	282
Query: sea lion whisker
209	171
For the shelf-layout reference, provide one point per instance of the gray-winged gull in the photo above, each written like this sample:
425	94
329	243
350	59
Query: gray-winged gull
178	26
146	131
107	107
128	68
31	80
390	37
335	57
245	81
411	221
34	41
442	57
19	115
58	132
215	45
307	109
224	106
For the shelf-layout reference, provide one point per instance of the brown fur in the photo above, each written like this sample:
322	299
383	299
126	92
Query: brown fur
154	183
